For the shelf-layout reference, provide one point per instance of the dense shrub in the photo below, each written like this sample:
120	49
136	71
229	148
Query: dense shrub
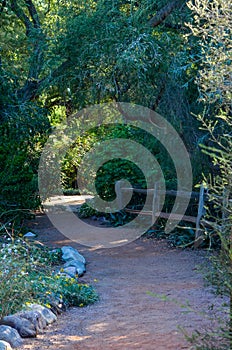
116	169
28	274
22	135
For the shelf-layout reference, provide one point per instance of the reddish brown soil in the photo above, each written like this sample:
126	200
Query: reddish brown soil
126	316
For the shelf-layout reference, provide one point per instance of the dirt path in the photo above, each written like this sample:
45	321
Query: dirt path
126	317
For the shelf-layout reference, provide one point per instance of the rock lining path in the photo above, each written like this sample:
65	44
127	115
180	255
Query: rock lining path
127	317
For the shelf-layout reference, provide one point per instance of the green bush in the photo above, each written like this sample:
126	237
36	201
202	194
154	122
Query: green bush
71	192
86	211
28	274
210	28
115	169
23	132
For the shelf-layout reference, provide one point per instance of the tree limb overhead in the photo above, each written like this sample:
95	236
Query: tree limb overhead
164	12
35	33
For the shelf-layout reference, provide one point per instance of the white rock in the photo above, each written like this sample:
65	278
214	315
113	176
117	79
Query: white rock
29	235
11	336
79	266
71	271
34	317
4	345
47	314
69	253
25	328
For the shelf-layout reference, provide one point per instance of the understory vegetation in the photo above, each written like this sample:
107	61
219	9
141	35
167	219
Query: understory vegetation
30	273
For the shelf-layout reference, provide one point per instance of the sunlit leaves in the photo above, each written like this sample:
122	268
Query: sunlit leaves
212	24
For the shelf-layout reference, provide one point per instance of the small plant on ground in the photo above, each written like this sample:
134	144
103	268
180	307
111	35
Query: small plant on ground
86	211
28	274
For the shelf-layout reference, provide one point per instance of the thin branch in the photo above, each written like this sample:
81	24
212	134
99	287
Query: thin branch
33	31
163	13
56	73
22	16
49	7
159	96
2	6
39	85
33	13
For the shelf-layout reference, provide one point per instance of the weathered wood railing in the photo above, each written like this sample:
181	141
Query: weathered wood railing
155	206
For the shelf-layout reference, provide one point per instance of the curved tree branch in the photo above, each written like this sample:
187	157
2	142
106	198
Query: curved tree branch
163	13
21	15
33	13
35	34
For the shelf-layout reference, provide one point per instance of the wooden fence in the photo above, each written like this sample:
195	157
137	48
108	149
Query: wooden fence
155	212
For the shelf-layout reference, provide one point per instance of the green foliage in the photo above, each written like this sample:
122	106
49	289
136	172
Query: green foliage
119	54
182	237
71	192
86	211
12	221
28	275
22	135
76	294
72	54
115	169
212	24
209	341
119	218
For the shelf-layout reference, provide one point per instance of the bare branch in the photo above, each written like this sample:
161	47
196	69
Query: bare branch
21	15
163	13
159	96
33	13
34	32
32	89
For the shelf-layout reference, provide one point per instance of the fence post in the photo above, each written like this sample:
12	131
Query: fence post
118	190
200	213
155	202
